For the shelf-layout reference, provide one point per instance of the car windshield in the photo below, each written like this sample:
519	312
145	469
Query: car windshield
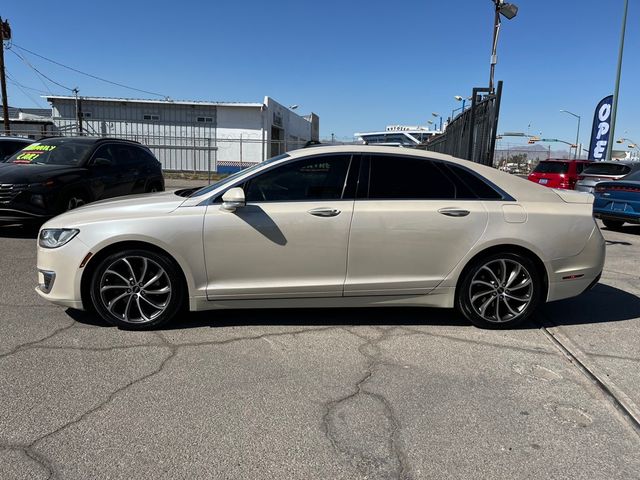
231	178
552	167
607	169
55	151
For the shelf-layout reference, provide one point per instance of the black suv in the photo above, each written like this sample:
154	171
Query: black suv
57	174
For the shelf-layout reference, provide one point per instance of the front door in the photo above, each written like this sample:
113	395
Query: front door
290	240
410	228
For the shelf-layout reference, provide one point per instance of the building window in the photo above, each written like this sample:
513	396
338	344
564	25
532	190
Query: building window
85	114
150	116
204	119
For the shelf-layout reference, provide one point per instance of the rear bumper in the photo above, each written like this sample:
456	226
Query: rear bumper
569	277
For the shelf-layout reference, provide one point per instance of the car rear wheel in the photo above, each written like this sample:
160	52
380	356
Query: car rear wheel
153	187
613	224
137	289
499	291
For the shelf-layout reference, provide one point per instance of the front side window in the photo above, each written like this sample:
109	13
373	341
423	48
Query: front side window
398	177
316	178
105	152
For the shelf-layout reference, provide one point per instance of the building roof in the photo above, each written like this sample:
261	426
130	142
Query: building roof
14	112
49	98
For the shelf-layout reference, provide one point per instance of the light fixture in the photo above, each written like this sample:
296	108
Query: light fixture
508	10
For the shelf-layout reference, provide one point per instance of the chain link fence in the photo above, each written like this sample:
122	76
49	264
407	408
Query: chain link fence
194	154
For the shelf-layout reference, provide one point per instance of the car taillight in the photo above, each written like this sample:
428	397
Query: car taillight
600	189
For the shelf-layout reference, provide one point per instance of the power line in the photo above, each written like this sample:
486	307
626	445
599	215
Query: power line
35	102
89	74
39	72
15	82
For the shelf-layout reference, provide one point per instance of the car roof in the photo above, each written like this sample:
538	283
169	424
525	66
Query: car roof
512	184
19	139
631	163
565	160
90	140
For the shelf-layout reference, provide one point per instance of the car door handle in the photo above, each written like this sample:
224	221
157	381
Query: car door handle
324	212
454	212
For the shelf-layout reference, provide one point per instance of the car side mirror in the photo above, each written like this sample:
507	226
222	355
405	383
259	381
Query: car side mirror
232	199
102	162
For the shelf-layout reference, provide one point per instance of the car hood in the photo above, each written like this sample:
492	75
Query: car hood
131	206
32	173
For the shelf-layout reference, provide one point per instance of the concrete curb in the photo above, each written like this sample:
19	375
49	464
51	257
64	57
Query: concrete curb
620	400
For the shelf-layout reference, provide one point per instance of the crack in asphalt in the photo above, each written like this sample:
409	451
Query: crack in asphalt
25	346
44	461
370	465
36	457
413	331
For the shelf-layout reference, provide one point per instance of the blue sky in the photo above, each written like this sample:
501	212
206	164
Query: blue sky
359	64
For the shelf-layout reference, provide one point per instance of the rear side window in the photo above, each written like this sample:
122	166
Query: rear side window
607	169
146	156
552	167
470	186
125	155
399	177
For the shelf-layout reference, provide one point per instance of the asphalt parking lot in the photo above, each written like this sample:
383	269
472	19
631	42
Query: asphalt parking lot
326	394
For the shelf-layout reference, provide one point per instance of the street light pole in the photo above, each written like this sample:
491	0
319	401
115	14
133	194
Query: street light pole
508	10
494	47
614	107
578	132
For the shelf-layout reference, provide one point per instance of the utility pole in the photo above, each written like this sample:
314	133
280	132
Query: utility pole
5	34
78	111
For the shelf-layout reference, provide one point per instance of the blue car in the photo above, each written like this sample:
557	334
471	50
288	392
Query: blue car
618	202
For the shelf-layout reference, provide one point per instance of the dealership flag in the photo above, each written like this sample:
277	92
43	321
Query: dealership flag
600	130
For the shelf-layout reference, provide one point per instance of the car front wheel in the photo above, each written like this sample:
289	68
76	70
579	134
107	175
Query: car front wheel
499	291
137	289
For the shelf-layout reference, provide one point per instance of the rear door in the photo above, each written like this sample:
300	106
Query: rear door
413	221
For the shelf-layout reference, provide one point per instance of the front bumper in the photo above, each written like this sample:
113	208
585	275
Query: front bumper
60	274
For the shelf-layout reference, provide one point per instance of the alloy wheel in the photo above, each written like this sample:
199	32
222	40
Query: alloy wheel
501	290
135	289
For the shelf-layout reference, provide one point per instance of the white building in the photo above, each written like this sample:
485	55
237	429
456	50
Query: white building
191	135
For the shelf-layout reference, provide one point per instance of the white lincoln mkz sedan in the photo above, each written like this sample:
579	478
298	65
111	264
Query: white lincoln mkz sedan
346	226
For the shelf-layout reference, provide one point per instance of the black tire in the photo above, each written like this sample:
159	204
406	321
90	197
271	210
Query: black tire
613	224
153	187
73	200
479	288
138	305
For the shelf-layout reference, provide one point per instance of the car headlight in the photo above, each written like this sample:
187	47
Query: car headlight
56	237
